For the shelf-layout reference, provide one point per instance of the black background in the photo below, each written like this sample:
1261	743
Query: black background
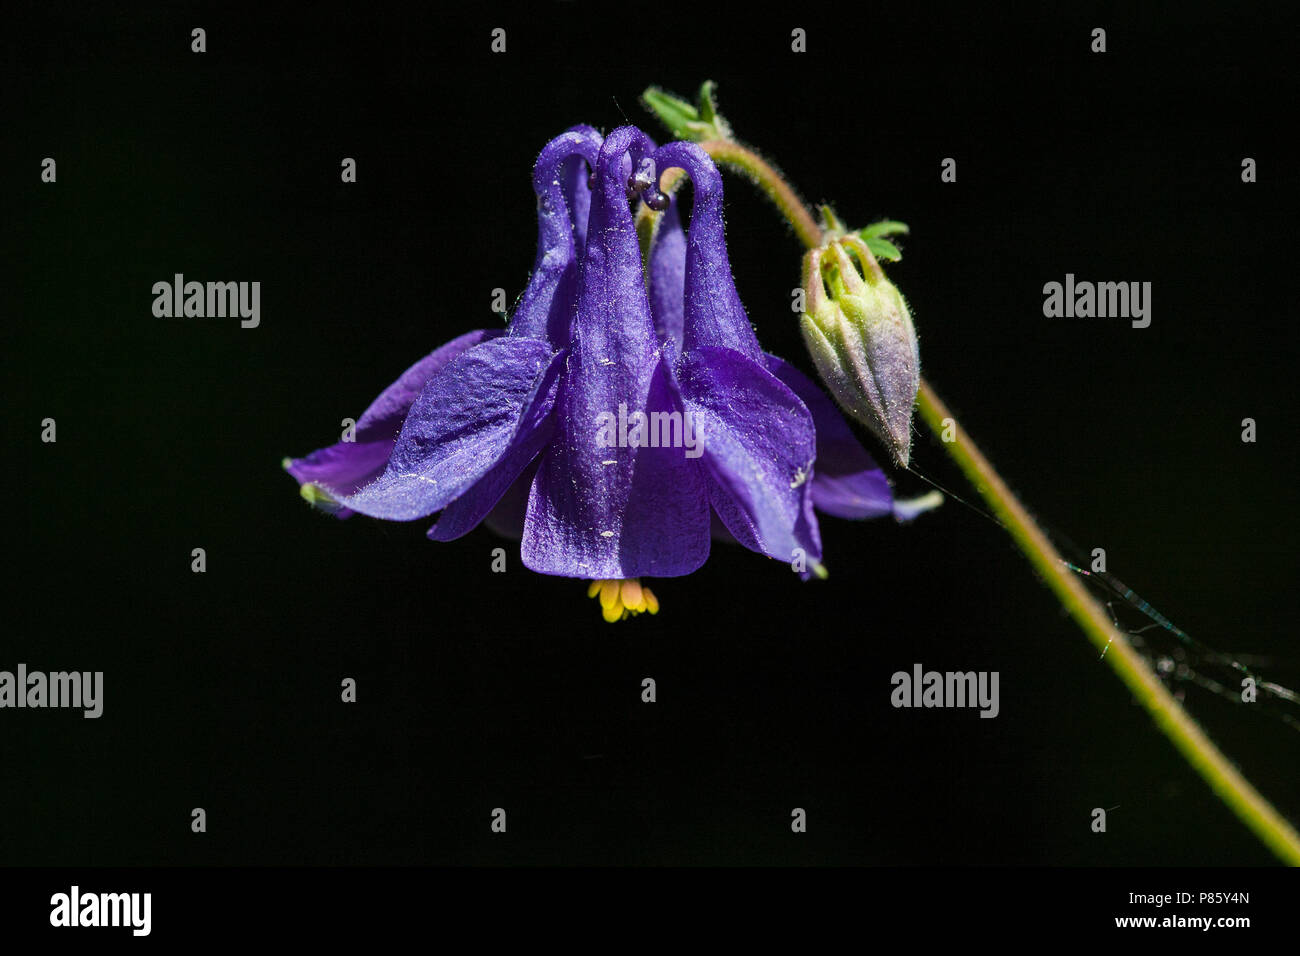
481	690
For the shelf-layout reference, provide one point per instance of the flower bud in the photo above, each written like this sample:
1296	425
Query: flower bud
859	332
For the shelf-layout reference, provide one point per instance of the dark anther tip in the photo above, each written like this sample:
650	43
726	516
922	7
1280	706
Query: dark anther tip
636	186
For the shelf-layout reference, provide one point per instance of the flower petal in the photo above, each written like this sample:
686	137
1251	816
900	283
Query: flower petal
535	430
713	314
574	175
596	512
507	516
544	310
465	419
847	482
620	512
667	269
347	466
759	448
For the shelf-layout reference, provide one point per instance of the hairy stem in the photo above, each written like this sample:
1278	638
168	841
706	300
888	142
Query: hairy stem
765	177
1186	735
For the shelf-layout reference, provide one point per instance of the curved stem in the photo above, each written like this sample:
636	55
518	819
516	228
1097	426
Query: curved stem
1224	779
761	173
1186	735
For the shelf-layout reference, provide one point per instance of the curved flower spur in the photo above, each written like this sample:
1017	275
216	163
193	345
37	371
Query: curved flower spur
626	414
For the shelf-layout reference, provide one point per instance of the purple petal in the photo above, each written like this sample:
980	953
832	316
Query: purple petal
713	315
596	512
533	434
847	482
465	419
507	517
620	512
577	194
718	531
544	311
667	268
759	447
347	466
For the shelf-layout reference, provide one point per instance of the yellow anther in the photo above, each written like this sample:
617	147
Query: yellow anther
621	599
630	593
609	595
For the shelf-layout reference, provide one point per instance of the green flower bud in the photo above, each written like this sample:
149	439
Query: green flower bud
859	332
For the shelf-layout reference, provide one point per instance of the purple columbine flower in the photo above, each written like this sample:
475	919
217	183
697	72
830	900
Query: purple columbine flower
517	429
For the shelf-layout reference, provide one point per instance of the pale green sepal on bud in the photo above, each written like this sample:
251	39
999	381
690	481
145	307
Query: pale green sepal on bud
859	332
697	124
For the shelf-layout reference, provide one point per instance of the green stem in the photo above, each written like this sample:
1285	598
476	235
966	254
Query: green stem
1224	779
761	174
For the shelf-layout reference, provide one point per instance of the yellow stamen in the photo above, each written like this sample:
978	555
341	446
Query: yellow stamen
609	595
630	593
621	599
